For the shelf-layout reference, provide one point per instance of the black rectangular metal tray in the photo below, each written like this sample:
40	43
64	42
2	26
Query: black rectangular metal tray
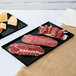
27	60
11	29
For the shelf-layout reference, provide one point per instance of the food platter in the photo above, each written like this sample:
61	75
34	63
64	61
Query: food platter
27	59
11	29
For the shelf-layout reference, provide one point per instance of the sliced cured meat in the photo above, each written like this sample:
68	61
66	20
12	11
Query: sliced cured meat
49	29
25	49
54	31
60	34
39	40
41	27
41	30
45	29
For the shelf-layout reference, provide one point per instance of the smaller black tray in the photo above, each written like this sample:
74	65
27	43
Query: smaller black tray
11	29
27	60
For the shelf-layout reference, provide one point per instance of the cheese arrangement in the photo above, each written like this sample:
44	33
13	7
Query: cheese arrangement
12	21
4	21
9	24
3	17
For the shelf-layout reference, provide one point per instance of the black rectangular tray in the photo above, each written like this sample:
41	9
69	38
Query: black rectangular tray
11	29
27	60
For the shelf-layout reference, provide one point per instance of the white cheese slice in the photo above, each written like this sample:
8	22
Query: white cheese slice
12	21
3	25
3	17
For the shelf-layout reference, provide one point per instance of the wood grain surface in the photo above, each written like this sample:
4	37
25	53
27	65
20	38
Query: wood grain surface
59	62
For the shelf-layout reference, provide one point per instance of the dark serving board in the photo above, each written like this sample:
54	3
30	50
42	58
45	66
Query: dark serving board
27	60
11	29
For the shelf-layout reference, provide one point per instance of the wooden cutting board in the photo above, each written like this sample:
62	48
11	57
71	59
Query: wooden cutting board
59	62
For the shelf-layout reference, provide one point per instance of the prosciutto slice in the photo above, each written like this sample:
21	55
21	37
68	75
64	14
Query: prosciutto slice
41	28
49	29
54	31
60	34
39	40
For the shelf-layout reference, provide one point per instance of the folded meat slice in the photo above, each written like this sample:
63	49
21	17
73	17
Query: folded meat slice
49	29
54	31
39	40
41	27
60	34
43	30
25	49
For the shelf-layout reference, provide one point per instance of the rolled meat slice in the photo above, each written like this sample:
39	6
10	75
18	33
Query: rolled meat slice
39	40
25	49
60	34
54	31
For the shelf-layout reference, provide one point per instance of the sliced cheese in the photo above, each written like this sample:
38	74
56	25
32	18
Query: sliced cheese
3	17
12	21
3	25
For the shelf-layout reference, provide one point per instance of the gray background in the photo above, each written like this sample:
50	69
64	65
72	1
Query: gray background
37	4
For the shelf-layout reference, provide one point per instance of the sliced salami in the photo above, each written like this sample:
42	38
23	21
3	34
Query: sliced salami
25	49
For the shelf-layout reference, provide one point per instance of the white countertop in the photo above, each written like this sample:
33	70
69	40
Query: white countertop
9	65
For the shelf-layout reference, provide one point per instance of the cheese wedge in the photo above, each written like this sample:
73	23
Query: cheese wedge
3	17
3	25
12	21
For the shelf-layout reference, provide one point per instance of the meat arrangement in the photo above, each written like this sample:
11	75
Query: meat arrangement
52	31
25	49
32	47
39	40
